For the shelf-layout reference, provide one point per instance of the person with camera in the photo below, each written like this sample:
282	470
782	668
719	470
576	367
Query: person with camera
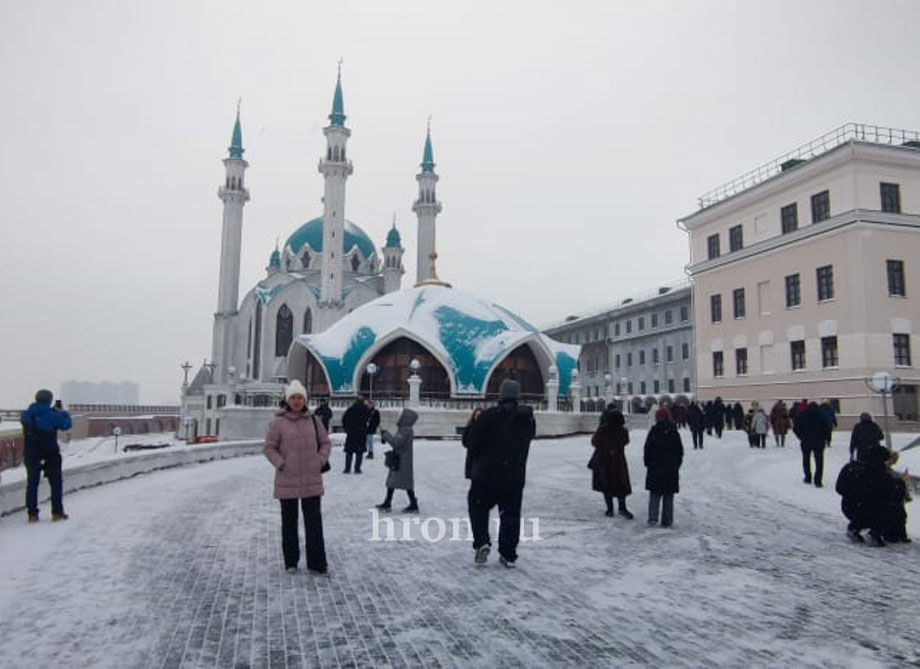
40	425
399	461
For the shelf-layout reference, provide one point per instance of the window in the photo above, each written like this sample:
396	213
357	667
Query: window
670	385
304	260
616	329
797	350
896	278
284	330
685	351
891	197
793	291
616	361
712	246
656	386
629	388
684	314
669	353
629	359
738	302
655	354
825	282
641	324
642	357
901	349
829	351
257	341
642	387
628	326
686	384
741	361
619	388
715	303
308	321
735	238
210	401
717	364
655	320
789	217
668	317
820	206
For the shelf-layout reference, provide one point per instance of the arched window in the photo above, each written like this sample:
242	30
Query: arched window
228	182
343	154
335	153
329	153
284	330
257	341
355	263
308	321
305	260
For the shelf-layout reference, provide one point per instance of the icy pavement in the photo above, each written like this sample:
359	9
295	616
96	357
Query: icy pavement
183	568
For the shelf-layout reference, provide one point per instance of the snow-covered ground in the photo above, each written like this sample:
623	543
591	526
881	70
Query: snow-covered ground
183	568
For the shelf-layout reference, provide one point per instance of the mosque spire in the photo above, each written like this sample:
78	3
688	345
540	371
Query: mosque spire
236	142
337	117
428	155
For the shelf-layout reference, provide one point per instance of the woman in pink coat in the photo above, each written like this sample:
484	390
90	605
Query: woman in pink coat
298	447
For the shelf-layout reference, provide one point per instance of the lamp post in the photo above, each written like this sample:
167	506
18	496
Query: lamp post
187	421
415	383
371	370
883	383
116	431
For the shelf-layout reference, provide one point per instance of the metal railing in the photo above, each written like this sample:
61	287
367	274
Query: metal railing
859	132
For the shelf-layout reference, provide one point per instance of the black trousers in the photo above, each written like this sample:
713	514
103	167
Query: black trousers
313	529
697	437
50	464
359	456
819	463
484	495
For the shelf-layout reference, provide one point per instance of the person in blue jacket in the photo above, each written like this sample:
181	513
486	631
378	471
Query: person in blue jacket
40	425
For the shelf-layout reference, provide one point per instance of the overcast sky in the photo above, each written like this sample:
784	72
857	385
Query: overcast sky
569	137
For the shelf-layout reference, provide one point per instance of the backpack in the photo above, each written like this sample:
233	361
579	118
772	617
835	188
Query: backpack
851	479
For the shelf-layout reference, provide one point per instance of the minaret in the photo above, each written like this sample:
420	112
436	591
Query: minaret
427	208
392	260
336	170
234	195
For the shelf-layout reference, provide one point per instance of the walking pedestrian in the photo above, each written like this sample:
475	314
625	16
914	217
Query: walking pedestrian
830	417
324	413
373	422
695	420
401	474
354	421
779	422
761	424
298	447
499	446
812	431
465	440
610	473
664	453
737	415
718	416
40	425
748	425
866	434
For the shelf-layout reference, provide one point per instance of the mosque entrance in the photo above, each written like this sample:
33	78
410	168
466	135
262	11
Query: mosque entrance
315	378
522	366
392	377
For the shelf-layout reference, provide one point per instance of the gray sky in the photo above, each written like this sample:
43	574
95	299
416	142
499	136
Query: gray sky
569	138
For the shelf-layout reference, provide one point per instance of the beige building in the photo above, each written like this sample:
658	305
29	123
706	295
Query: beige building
806	275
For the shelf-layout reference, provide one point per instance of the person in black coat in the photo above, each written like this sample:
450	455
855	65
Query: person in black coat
718	416
866	434
664	453
695	420
498	446
324	413
354	421
874	500
373	422
738	415
812	430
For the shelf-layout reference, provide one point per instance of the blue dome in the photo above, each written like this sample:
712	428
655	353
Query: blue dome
311	233
393	240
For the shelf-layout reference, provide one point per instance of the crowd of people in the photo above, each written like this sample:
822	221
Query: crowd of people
497	442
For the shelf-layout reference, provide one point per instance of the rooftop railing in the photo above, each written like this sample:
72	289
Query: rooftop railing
848	132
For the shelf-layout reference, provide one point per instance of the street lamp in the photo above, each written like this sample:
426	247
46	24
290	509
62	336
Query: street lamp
116	431
884	383
187	421
371	370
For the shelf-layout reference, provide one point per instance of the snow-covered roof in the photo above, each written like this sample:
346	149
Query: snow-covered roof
468	335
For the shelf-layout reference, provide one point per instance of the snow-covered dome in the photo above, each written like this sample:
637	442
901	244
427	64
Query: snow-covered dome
467	336
311	233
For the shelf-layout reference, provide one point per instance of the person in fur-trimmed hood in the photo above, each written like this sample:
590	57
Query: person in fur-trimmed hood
664	453
402	475
298	447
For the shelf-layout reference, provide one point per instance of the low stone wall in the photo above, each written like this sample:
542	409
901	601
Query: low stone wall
12	494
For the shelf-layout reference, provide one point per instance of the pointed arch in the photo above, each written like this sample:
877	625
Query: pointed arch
257	341
521	365
392	377
305	259
308	321
284	330
355	262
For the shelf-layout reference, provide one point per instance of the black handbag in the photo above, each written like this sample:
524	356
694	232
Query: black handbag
327	466
391	460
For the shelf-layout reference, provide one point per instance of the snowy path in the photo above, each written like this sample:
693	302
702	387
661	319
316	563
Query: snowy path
183	568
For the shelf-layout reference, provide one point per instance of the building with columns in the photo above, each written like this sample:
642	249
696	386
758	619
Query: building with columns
806	275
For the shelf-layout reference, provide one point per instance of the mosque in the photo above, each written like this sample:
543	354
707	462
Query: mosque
332	313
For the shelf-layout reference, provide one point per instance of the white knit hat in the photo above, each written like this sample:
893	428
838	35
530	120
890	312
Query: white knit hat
295	388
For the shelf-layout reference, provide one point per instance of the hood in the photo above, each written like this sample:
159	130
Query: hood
407	418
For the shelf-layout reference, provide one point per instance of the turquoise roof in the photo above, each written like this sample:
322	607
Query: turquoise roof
275	259
337	117
236	142
393	240
428	155
311	233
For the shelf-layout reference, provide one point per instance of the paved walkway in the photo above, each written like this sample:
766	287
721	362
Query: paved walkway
183	568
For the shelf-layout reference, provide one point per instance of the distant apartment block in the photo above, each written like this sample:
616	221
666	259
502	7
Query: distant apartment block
641	349
806	274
